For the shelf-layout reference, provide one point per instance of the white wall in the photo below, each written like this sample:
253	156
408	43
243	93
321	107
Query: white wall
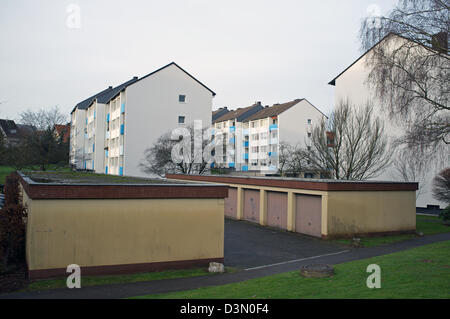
293	125
78	125
152	109
352	85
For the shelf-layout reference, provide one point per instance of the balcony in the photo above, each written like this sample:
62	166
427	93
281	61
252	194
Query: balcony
274	140
122	108
232	129
108	134
246	143
232	165
246	156
273	154
273	127
122	129
232	140
245	132
107	117
121	150
245	168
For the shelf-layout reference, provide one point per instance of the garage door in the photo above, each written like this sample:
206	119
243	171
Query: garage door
251	205
231	203
309	215
277	209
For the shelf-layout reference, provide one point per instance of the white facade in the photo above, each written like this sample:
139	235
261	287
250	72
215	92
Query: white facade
253	144
77	138
352	85
112	137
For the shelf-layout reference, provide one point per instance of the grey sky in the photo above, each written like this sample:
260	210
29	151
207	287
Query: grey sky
245	51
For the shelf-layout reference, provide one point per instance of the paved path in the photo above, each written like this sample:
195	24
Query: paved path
170	285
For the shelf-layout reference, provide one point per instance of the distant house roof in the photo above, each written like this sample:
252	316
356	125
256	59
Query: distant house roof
9	129
64	131
240	114
220	112
274	110
86	103
106	97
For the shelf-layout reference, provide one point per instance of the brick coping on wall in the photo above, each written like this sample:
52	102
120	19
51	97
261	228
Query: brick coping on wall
35	190
124	269
317	185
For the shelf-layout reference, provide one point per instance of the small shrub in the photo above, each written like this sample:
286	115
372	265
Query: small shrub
13	217
445	215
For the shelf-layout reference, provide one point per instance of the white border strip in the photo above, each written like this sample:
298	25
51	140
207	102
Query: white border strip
293	261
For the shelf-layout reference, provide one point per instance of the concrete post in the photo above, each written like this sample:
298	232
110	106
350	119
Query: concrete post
240	204
291	212
263	207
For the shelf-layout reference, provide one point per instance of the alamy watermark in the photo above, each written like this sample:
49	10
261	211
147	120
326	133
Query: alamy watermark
73	20
374	280
74	279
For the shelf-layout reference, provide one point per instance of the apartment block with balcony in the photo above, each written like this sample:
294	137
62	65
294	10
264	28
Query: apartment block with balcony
79	140
120	124
234	135
289	122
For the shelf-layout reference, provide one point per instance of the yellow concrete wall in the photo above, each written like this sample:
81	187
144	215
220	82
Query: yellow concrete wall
118	232
370	212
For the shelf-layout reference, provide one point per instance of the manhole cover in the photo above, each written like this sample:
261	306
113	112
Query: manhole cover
317	271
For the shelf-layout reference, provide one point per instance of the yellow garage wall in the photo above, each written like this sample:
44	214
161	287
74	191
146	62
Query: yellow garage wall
369	212
118	232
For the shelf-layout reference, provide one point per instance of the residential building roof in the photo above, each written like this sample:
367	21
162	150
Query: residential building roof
107	96
333	82
9	129
64	131
220	112
173	63
274	110
241	114
86	103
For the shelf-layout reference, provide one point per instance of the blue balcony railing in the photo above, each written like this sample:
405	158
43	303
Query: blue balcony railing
106	169
232	165
273	154
246	156
246	144
232	140
121	171
212	165
232	129
107	117
273	127
122	129
122	108
245	168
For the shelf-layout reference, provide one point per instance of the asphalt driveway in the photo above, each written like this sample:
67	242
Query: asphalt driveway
249	245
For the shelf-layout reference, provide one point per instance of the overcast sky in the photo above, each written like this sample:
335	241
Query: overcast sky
245	51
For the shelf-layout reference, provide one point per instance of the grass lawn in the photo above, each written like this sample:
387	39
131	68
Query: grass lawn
5	171
422	272
117	279
428	225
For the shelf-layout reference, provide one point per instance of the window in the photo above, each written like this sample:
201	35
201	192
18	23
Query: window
181	119
182	98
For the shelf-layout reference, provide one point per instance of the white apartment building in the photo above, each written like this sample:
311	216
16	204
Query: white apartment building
352	84
230	128
78	132
289	123
122	122
252	135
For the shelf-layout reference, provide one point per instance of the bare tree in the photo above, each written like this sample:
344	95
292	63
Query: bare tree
351	145
284	157
410	70
176	153
43	118
441	186
411	165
